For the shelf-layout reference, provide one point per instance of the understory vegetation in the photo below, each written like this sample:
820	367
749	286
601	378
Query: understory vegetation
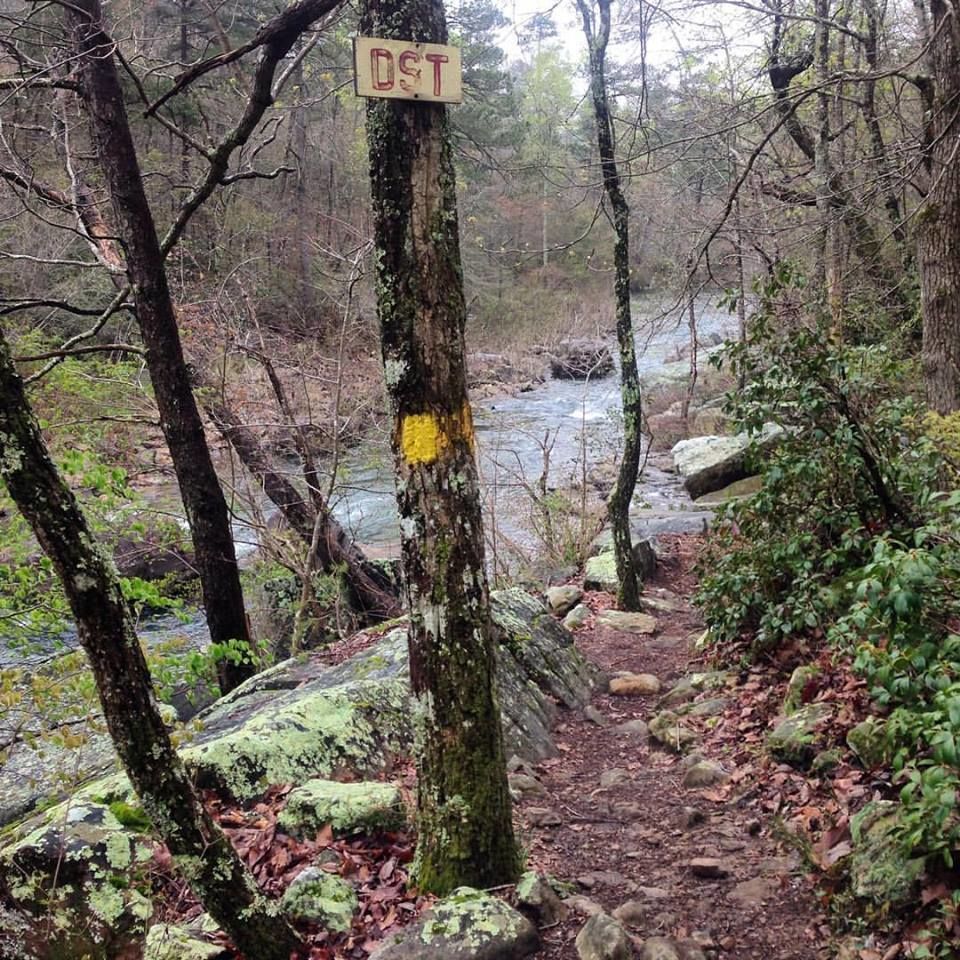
852	544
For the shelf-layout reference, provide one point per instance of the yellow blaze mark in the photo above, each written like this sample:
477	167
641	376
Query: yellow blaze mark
425	436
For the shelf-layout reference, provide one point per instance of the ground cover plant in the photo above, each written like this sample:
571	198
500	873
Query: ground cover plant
852	544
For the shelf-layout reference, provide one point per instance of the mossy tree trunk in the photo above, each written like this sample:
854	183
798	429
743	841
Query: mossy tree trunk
180	419
208	862
596	28
938	232
465	829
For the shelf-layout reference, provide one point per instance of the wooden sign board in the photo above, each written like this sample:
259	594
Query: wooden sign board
404	70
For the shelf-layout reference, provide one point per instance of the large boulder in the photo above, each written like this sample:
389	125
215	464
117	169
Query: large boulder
467	925
303	718
712	463
299	721
581	359
78	874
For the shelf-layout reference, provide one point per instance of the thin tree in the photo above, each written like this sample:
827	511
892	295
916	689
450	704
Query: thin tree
209	863
465	828
200	490
596	29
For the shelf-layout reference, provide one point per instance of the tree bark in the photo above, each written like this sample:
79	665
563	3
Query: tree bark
598	35
938	232
465	828
200	489
208	862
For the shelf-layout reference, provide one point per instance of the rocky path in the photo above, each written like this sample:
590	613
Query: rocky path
677	846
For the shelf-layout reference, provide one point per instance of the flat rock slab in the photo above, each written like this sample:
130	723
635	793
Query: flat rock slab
467	925
635	685
755	891
640	623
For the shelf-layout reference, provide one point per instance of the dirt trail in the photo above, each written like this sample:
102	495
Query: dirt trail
634	840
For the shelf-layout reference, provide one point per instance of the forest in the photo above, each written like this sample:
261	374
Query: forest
479	481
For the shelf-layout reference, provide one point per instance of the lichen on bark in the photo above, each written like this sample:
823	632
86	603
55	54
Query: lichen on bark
465	828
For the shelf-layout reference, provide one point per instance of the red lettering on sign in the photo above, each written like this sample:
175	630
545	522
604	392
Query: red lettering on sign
406	57
437	59
378	54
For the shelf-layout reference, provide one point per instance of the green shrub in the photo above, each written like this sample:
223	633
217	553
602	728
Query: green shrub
852	541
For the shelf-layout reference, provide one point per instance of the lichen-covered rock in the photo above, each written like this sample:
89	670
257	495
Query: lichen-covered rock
738	490
298	721
798	689
537	900
689	687
169	941
77	867
357	726
704	774
660	948
320	897
714	462
670	732
825	761
711	707
868	741
797	739
467	925
635	685
15	930
577	617
349	808
561	600
629	622
603	938
304	719
881	870
600	573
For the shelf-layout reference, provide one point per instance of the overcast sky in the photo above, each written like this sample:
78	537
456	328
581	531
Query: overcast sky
667	36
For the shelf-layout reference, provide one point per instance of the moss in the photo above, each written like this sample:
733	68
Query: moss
349	808
868	741
322	898
130	816
881	871
472	918
795	740
356	726
800	680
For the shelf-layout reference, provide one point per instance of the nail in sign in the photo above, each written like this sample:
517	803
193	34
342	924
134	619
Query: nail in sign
404	70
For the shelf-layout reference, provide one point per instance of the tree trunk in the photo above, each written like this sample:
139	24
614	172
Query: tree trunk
465	827
598	34
207	860
182	426
938	234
